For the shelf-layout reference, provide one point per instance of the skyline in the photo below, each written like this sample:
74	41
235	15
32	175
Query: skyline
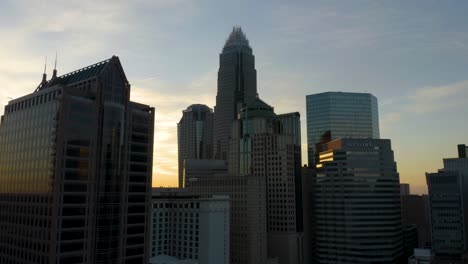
413	58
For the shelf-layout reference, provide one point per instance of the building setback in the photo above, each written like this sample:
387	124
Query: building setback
191	227
357	203
237	85
195	135
335	115
75	171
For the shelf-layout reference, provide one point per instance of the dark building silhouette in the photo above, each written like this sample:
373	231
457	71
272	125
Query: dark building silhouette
195	135
462	150
267	145
415	211
448	199
237	85
75	171
248	205
357	203
308	194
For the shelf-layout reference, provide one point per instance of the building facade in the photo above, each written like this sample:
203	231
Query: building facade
334	115
415	211
448	198
190	227
421	256
447	219
247	195
308	195
75	171
237	85
266	145
194	135
404	189
357	203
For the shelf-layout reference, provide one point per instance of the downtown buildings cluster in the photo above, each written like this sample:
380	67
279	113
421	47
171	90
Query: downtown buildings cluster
76	173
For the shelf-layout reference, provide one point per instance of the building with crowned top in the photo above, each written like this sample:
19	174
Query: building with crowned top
237	85
76	170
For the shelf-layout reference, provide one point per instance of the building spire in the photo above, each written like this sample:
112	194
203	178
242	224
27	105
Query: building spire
237	38
54	73
44	75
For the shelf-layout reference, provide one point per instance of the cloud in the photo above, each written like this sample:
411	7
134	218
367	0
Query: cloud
438	98
81	30
389	119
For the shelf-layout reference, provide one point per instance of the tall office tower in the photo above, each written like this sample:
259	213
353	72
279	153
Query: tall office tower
334	115
357	205
266	145
448	198
195	135
190	227
75	171
237	85
248	206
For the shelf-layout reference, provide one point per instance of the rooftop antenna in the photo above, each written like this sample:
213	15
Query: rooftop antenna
54	73
44	75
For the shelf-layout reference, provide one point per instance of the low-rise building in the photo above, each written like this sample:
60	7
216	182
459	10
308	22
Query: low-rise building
190	227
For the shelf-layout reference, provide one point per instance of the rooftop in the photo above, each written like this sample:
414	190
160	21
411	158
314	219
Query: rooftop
82	74
237	38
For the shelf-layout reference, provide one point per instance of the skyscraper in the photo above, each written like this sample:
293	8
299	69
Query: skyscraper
334	115
237	85
357	203
75	171
448	199
267	145
195	135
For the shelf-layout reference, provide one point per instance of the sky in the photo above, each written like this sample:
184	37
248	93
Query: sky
412	55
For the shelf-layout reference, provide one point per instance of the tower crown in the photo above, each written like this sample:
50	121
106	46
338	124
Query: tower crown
236	39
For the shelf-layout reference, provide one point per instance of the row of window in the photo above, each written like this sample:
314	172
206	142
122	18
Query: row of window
40	99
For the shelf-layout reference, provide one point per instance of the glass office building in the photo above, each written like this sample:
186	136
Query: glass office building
334	115
75	171
194	135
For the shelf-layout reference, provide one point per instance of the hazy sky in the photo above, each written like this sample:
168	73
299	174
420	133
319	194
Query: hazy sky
412	55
